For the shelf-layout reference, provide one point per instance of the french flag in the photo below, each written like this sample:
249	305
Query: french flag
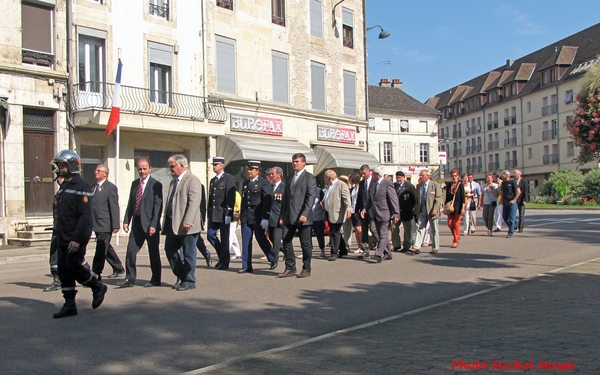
115	112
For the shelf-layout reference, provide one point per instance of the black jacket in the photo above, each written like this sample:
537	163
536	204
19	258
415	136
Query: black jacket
407	197
459	201
73	212
256	201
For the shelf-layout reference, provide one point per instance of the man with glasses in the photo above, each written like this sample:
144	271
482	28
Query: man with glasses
105	207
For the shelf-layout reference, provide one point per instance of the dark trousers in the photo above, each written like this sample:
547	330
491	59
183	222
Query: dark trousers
381	231
137	237
54	255
366	225
70	269
248	232
276	236
319	229
221	245
521	214
105	252
304	233
336	238
183	264
201	246
509	214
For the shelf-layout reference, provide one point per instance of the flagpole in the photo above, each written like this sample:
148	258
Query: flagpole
117	153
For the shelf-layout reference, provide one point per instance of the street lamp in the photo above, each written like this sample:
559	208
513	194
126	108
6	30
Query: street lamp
382	35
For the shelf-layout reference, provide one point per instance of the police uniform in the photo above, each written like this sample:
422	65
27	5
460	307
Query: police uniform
256	204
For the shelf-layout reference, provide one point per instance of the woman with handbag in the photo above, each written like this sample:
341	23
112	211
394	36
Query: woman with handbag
469	205
488	202
454	205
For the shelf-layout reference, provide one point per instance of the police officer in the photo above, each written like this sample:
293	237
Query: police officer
73	228
256	204
221	199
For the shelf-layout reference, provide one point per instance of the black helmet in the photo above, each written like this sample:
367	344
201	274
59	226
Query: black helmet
71	158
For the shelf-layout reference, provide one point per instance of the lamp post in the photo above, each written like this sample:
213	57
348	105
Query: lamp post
382	35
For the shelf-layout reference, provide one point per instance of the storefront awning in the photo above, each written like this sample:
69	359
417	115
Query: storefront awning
234	148
339	157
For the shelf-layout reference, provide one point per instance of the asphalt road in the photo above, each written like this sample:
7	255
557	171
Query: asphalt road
160	331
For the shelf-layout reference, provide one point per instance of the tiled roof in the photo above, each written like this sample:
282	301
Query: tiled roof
571	51
394	99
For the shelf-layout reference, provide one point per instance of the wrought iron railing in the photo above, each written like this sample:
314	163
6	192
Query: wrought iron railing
144	101
278	20
227	4
550	159
36	57
159	10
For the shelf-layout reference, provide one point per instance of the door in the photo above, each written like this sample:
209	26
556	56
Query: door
39	179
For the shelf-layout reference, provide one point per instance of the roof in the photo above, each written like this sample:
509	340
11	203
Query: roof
394	99
570	52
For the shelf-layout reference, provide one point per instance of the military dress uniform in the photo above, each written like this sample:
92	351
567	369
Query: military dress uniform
256	204
221	199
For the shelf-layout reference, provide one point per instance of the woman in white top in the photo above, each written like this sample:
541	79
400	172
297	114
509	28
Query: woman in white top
488	202
468	199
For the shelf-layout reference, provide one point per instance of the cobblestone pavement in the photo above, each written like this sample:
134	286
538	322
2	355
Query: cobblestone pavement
547	323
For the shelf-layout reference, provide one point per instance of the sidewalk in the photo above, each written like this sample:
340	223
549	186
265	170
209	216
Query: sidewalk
547	324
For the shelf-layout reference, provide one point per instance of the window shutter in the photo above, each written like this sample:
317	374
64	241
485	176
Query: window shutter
160	54
317	77
226	65
37	28
347	17
349	93
280	78
316	18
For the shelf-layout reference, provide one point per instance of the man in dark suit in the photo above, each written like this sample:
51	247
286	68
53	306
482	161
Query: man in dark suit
361	200
200	245
221	200
275	218
105	206
143	211
407	199
382	205
182	222
298	199
523	185
256	203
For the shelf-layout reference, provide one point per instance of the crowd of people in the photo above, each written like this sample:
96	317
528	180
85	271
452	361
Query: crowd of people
385	217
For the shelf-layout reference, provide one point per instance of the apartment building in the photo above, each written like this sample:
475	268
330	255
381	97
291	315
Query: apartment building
402	131
514	116
247	81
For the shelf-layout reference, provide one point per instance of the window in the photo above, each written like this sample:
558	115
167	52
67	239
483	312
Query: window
278	12
545	78
529	153
513	89
91	156
349	93
387	152
371	123
468	146
348	27
383	125
91	59
569	97
317	80
280	77
36	35
226	77
528	107
160	57
424	153
529	130
553	75
159	8
570	149
316	18
227	4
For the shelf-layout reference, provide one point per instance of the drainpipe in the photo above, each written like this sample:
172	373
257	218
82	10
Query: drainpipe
557	128
522	139
69	76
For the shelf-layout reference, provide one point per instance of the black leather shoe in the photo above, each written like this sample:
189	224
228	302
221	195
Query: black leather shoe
246	270
176	285
98	295
377	258
115	274
66	310
332	258
387	257
184	287
273	265
223	267
126	283
208	259
150	285
404	250
218	264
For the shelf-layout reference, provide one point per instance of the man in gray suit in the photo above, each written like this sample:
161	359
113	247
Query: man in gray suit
382	205
143	212
182	222
298	200
338	209
427	210
105	207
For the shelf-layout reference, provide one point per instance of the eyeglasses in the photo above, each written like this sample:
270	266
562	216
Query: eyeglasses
172	165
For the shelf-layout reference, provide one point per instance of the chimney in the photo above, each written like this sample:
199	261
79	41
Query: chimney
384	82
509	63
397	83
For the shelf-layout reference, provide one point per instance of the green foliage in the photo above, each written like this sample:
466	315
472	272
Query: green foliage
591	184
563	184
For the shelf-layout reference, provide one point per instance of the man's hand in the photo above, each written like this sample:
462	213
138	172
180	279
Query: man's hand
73	247
434	212
126	228
396	219
151	231
363	214
116	230
513	202
303	219
280	221
187	227
348	214
264	223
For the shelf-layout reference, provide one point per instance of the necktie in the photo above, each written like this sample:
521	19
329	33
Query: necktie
294	179
97	188
138	198
170	200
423	193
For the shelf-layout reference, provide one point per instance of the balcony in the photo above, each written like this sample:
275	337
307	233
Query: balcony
549	134
506	121
510	164
477	168
550	159
493	145
475	148
456	134
493	166
457	152
549	109
513	119
508	142
37	58
473	129
492	125
158	11
137	100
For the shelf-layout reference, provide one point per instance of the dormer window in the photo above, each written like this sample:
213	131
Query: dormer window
545	78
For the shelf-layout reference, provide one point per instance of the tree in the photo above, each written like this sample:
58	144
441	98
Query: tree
584	127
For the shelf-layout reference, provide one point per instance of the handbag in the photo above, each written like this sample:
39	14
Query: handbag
449	207
472	206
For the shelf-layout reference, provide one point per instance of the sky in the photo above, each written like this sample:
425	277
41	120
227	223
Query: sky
436	45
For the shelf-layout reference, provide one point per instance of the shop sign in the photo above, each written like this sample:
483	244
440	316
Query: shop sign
258	125
334	134
414	169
